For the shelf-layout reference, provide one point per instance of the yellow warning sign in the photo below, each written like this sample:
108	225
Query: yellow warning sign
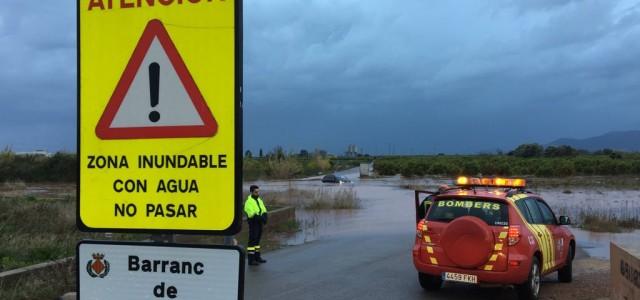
159	115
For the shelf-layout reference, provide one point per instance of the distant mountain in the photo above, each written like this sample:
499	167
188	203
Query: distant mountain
617	140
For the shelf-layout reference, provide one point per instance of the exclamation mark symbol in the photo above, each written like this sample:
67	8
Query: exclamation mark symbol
154	90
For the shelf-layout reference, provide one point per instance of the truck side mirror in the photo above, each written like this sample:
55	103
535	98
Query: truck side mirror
564	220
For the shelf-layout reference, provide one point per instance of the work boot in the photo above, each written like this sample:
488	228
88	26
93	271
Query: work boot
259	258
252	260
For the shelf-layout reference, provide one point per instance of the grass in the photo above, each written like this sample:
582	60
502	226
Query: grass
39	227
319	199
42	227
604	223
35	230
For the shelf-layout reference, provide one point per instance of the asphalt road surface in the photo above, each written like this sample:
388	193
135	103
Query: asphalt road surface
366	255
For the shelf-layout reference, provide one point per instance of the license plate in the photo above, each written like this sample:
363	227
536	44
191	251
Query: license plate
448	276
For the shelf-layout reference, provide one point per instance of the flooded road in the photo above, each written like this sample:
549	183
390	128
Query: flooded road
596	244
385	208
366	253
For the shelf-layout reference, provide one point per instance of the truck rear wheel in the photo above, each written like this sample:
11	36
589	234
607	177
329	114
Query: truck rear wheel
429	282
531	288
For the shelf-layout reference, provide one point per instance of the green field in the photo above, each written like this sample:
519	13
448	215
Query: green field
506	165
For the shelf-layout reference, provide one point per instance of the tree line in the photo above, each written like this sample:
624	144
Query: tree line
279	164
525	160
275	164
60	167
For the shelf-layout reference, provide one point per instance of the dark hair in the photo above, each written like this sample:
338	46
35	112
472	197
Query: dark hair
253	188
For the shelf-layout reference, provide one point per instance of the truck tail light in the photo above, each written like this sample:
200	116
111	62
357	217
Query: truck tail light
514	235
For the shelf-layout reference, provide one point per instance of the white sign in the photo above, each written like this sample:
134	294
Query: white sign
118	270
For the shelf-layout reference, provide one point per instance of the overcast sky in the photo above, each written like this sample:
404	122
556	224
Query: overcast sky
412	76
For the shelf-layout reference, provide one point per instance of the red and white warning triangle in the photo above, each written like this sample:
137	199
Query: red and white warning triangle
156	96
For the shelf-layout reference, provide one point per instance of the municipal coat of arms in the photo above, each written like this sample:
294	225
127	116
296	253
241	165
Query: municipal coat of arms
98	266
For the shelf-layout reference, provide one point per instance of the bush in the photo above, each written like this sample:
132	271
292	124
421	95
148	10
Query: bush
283	169
279	165
471	167
342	199
388	167
61	167
253	169
528	150
560	151
564	168
415	168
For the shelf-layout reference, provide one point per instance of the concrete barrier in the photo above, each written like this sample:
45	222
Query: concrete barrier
279	216
52	268
625	273
68	296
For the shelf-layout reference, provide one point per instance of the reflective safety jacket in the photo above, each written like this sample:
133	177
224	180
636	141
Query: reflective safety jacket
254	207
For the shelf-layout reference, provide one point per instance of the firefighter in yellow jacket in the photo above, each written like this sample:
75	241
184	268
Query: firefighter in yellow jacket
257	218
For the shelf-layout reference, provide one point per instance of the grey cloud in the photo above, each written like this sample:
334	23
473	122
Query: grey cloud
454	76
37	80
473	65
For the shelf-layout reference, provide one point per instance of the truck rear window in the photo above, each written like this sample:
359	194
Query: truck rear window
492	212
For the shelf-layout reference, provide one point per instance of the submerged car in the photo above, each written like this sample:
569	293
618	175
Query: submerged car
494	231
331	178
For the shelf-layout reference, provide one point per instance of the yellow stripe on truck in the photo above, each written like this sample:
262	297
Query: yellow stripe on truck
547	249
534	231
543	246
542	235
547	234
